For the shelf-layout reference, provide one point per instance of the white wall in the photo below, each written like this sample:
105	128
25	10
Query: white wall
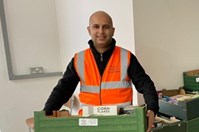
20	98
166	39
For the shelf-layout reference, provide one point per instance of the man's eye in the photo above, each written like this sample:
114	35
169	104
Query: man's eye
96	26
107	27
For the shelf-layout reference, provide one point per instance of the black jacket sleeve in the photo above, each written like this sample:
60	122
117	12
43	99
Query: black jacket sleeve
143	84
63	90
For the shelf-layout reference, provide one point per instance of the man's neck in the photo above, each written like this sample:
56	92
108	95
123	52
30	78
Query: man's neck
101	50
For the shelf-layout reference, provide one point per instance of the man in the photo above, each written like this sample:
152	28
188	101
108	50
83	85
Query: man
105	72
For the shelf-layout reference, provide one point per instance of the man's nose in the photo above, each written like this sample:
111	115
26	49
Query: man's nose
101	29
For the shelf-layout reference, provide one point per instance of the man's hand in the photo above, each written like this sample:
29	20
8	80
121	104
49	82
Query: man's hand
151	117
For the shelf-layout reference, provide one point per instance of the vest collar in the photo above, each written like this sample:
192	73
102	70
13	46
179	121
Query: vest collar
112	46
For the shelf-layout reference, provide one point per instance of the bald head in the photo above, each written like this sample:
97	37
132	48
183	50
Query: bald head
100	15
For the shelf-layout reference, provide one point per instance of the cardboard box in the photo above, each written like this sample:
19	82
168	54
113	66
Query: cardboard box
100	110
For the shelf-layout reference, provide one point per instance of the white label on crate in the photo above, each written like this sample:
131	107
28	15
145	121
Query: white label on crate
197	79
88	122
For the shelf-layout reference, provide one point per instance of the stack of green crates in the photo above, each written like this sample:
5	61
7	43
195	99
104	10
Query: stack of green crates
191	83
135	122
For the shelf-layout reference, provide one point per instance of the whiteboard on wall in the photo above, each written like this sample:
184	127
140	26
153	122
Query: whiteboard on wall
31	38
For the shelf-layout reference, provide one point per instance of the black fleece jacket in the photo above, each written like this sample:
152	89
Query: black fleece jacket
67	84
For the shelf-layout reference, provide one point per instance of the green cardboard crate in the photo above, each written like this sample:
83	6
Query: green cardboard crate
135	122
173	127
184	110
192	125
191	80
182	126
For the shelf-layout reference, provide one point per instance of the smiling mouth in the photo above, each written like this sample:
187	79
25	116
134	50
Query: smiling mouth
101	37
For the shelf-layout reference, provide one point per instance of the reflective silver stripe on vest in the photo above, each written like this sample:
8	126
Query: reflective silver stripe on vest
124	65
90	89
80	65
113	85
106	85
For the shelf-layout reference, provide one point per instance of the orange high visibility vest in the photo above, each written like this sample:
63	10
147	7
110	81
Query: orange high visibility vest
113	88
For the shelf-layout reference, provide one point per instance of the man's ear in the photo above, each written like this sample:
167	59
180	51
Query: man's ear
113	31
88	29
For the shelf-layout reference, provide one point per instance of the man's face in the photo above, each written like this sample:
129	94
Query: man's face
101	30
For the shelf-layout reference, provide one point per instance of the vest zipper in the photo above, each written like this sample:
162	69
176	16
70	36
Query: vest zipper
101	59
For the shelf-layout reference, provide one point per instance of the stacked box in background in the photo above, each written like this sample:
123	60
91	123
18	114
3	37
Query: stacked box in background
135	122
191	80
